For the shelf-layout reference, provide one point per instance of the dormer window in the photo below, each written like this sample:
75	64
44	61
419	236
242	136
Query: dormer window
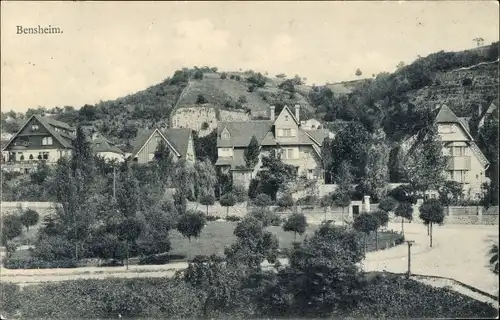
225	135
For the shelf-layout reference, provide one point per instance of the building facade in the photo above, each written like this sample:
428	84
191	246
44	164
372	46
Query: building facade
39	139
180	142
284	134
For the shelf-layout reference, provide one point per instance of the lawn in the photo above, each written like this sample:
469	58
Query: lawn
218	234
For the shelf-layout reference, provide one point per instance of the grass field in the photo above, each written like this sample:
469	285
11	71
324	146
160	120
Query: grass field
217	235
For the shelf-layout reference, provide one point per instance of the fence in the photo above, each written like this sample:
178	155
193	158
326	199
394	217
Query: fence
43	208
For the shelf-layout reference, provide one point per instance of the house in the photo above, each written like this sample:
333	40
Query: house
466	164
484	115
102	146
179	140
311	124
284	133
40	138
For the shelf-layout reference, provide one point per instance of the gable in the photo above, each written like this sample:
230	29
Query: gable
286	119
148	142
37	127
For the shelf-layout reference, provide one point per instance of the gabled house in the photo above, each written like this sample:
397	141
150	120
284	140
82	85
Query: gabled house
179	140
40	138
282	134
102	146
467	164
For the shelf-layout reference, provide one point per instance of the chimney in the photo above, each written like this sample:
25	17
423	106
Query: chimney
272	113
480	110
297	112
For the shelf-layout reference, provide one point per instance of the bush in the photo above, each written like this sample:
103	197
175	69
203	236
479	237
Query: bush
233	218
307	200
155	259
223	75
390	296
111	298
10	300
34	263
212	218
112	263
205	126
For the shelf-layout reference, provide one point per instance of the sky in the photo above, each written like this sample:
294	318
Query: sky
110	49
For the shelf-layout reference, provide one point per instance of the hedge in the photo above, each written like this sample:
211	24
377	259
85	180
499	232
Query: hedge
33	263
384	296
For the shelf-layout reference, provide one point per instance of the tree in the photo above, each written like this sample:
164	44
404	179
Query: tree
323	272
240	193
205	178
252	153
253	245
200	99
388	204
431	211
325	202
164	161
400	65
227	200
376	174
296	223
365	223
286	201
29	218
343	200
12	227
425	164
450	192
350	146
479	41
207	200
405	211
274	176
358	72
262	201
190	224
382	218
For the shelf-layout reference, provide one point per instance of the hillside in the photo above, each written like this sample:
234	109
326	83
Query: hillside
462	80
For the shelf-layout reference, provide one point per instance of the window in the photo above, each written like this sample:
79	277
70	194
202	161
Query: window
459	151
31	157
286	118
225	135
34	127
286	132
47	141
151	156
288	154
460	176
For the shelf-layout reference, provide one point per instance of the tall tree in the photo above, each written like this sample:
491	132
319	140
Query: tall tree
376	175
164	161
351	145
425	163
252	153
205	178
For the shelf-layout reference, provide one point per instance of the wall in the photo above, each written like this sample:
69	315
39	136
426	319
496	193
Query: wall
111	156
194	117
43	208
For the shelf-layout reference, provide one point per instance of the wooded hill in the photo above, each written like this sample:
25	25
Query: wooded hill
399	101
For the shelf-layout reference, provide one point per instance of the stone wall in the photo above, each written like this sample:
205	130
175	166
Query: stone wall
43	208
194	118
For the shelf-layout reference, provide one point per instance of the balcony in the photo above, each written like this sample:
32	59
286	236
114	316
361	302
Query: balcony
459	163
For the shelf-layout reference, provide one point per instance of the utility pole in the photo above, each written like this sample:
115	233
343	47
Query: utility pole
410	243
114	183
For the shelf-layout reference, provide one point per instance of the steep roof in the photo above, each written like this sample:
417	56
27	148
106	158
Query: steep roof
177	137
318	135
445	115
101	144
241	132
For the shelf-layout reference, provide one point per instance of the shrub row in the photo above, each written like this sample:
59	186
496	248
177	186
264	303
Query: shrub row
385	296
34	263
